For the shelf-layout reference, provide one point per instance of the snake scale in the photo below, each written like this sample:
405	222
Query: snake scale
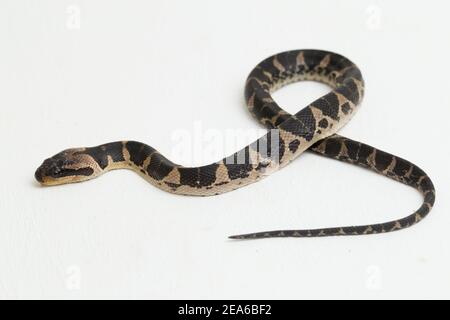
312	128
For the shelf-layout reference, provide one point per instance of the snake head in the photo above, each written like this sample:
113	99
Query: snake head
68	166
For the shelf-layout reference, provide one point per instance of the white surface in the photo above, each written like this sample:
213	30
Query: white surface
81	73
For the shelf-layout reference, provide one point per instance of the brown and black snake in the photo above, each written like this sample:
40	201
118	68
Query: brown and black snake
312	128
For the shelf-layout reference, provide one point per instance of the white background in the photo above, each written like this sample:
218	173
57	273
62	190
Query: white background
82	73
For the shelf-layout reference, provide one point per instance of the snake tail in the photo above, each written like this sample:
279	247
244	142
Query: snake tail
363	155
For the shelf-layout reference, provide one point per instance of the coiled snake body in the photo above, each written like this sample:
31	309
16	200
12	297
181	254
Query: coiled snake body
312	128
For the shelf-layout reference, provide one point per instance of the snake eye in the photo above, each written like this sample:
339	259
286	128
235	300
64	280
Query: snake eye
54	172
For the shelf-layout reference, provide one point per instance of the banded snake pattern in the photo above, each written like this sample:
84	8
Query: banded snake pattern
312	128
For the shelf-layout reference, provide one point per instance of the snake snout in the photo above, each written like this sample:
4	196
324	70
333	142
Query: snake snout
50	169
47	168
39	175
65	167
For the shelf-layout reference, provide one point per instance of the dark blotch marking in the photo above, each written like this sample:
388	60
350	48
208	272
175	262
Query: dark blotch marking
429	197
329	105
139	152
303	125
350	91
312	59
280	150
352	149
293	145
236	171
199	177
208	174
382	160
332	148
426	184
401	167
416	174
359	229
159	167
100	154
346	108
323	123
268	110
288	60
281	118
364	153
377	228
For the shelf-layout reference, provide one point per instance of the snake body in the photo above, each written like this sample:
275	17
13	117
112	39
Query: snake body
314	128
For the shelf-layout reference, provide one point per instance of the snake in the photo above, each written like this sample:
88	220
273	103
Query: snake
314	128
